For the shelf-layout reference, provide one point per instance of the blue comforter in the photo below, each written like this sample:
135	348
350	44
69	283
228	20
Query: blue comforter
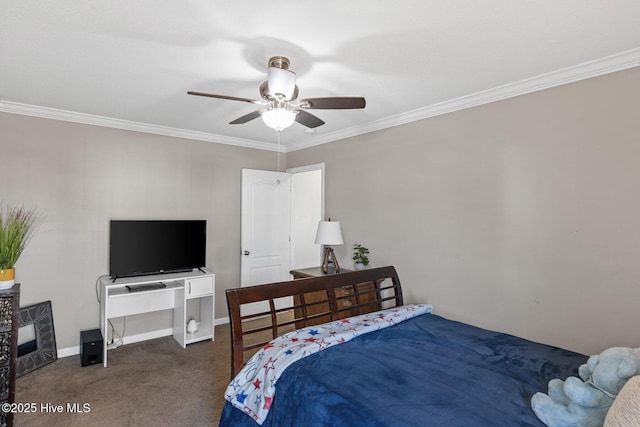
426	371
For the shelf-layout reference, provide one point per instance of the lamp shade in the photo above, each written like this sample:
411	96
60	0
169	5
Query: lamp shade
329	233
278	118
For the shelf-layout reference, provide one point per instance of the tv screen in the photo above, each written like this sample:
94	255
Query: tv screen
150	247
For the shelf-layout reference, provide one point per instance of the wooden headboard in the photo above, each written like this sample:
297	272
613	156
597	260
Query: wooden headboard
289	305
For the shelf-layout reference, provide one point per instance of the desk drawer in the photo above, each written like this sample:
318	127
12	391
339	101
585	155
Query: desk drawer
198	286
141	302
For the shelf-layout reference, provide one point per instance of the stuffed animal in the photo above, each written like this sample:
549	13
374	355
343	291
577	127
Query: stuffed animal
584	401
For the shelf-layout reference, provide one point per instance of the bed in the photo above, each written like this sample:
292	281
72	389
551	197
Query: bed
426	370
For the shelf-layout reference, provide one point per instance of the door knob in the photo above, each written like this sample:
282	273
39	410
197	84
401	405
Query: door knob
246	253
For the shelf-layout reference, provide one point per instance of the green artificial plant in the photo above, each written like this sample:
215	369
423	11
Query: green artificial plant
360	254
17	227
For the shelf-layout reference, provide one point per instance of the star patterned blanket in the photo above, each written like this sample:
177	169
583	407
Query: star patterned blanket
253	389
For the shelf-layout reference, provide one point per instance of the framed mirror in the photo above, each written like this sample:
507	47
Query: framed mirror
36	338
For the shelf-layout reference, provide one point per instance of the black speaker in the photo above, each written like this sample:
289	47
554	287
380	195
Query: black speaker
91	347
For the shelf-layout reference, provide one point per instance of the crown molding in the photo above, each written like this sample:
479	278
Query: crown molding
90	119
609	64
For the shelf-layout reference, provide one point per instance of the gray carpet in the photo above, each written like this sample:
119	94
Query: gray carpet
151	383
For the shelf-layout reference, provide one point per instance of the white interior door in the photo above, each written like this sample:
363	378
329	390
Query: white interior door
266	225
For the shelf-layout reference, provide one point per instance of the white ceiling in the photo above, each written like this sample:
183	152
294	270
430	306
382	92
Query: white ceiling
128	64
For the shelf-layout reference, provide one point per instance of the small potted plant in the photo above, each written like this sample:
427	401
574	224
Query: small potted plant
17	226
360	258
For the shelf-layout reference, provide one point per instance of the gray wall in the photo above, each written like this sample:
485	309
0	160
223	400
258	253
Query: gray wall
521	215
82	176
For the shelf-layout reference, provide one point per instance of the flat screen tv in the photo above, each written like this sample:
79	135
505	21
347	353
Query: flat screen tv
151	247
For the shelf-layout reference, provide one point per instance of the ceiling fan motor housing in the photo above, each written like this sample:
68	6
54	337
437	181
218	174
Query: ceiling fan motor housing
281	81
279	62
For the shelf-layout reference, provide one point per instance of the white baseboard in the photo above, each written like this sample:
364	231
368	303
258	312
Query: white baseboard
72	351
221	321
69	351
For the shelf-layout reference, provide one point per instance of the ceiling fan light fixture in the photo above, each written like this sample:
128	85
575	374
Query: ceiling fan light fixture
278	118
282	82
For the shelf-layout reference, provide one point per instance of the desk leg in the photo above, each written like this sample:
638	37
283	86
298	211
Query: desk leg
104	309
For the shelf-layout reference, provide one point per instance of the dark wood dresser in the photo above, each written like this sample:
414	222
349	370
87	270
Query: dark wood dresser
9	308
347	296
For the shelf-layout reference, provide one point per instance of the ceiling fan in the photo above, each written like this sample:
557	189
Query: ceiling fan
281	106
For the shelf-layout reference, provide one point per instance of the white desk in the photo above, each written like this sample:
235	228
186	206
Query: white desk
117	301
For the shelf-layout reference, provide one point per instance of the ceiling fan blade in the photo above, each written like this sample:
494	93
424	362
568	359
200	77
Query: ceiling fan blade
232	98
246	118
308	119
333	103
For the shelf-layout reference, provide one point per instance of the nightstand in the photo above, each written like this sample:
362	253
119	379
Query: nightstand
345	295
315	272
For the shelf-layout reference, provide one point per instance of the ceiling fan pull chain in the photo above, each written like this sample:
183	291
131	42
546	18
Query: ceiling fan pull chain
278	134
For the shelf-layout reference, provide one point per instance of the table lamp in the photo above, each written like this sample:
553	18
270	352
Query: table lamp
329	233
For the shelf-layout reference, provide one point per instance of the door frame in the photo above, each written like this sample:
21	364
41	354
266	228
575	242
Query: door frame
292	171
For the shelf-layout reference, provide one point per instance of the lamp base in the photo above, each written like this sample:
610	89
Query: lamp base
328	253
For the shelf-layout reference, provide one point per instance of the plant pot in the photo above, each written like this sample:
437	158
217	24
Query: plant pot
359	266
7	278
